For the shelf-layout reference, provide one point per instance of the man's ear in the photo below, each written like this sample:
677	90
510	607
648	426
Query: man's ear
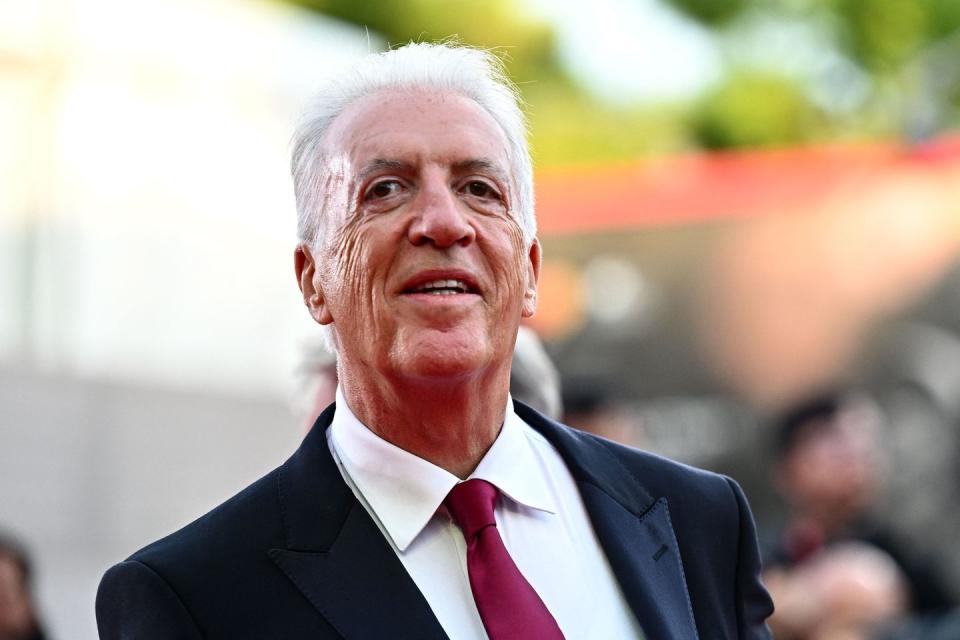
305	267
533	276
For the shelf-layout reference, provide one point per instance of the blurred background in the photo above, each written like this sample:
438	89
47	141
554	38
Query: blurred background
744	206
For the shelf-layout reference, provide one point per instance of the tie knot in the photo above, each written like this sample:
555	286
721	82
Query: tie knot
470	504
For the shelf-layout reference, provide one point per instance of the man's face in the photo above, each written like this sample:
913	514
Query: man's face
424	271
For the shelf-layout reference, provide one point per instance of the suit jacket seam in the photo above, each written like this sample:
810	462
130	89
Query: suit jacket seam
629	472
173	591
736	573
284	521
683	574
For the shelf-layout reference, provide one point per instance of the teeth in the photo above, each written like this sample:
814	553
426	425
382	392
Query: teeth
443	287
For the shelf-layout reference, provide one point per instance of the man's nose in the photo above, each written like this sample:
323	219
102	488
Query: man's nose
441	219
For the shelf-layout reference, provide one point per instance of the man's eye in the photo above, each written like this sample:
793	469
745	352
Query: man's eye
383	189
480	189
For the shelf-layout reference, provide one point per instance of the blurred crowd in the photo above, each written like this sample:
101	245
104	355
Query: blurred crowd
834	566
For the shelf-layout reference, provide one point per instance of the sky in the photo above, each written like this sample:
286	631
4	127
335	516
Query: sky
632	50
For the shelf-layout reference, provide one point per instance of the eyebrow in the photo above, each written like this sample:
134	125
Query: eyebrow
481	165
379	164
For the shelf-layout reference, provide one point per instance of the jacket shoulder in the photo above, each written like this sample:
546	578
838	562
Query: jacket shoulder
181	585
664	476
254	511
618	469
133	601
701	502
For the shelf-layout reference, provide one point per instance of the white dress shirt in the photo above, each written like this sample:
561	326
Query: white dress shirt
540	517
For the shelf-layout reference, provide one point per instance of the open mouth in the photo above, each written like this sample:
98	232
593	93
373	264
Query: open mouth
442	288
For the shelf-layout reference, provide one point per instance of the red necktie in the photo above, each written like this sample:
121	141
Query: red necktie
508	605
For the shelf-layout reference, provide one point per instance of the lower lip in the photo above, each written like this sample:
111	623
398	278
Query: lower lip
448	298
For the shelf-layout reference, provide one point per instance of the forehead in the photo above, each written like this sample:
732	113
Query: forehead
417	126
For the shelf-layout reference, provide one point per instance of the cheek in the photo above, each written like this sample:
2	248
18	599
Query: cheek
361	258
517	264
350	258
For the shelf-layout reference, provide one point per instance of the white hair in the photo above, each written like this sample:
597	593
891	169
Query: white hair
473	73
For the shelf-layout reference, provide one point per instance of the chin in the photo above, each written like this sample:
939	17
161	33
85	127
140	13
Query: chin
450	355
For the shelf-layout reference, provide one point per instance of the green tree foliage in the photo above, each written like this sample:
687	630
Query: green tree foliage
525	43
903	51
568	126
883	35
571	128
901	46
712	12
756	110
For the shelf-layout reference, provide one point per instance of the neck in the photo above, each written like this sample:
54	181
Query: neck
449	423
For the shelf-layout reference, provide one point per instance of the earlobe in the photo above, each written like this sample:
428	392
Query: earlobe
533	276
305	267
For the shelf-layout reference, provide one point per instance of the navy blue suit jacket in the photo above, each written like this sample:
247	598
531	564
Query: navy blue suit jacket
295	555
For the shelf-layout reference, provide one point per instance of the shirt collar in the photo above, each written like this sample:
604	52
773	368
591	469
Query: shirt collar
512	466
404	490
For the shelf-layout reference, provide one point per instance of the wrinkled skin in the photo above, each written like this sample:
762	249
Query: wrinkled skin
418	187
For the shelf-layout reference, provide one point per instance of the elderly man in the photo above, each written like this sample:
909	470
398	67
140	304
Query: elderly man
425	503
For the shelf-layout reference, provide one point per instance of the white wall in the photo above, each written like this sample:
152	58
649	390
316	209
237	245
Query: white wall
150	323
91	471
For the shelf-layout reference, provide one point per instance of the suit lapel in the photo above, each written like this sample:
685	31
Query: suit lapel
337	557
634	530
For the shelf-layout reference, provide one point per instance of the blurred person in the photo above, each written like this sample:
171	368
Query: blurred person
424	503
534	380
830	468
915	369
847	591
18	613
317	388
589	406
931	627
